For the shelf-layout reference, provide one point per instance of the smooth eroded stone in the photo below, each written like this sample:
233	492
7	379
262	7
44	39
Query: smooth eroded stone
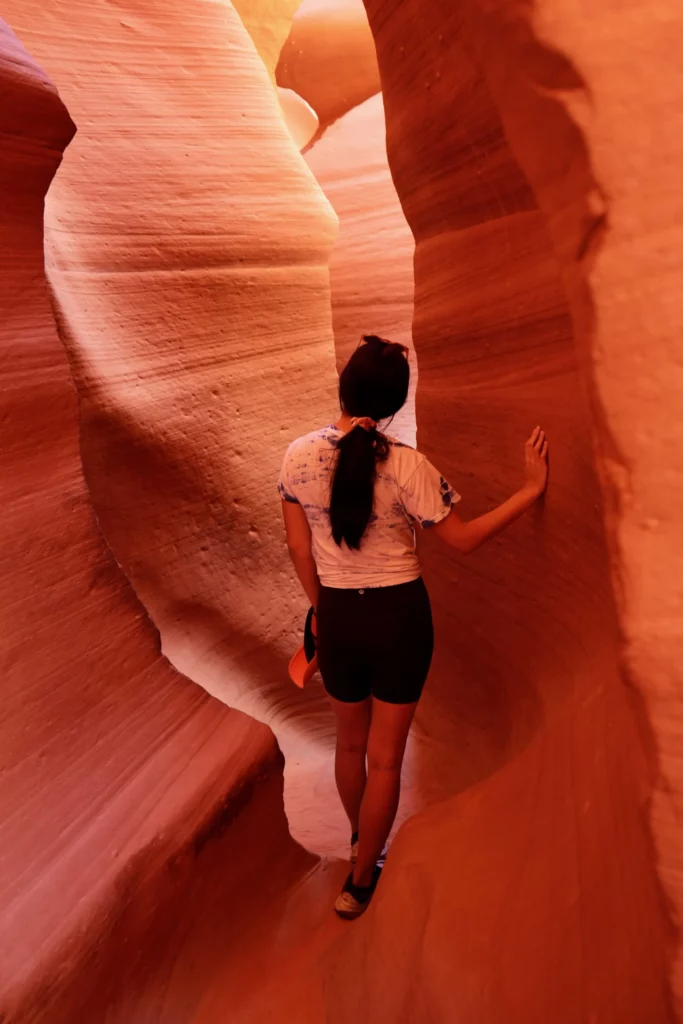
329	57
115	772
300	118
187	246
531	892
268	22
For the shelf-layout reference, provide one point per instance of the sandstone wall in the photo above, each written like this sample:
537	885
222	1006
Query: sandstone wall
608	181
112	767
187	249
269	23
329	57
539	877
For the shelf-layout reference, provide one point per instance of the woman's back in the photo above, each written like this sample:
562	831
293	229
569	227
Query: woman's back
407	490
351	498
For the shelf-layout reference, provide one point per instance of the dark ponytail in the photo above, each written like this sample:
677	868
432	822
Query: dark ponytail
374	383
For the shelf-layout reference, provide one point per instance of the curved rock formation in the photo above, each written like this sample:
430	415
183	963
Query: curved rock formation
187	252
537	728
609	186
118	777
300	118
269	23
329	57
194	304
371	268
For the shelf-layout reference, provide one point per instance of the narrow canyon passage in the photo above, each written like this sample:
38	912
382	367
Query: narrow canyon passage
246	188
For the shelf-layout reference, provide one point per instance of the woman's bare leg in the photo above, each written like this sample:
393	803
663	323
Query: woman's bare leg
353	723
389	727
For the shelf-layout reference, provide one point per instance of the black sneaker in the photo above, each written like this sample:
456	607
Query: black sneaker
354	899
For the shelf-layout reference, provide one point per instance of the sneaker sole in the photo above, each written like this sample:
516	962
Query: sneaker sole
351	915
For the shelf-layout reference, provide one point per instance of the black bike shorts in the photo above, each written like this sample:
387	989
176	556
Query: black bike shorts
376	641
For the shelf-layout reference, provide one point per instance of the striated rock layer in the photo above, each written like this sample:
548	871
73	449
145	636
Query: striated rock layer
609	186
187	248
532	894
117	777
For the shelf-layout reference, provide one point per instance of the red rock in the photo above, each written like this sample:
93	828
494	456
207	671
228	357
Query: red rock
543	902
194	303
187	251
608	182
300	118
329	57
118	777
268	22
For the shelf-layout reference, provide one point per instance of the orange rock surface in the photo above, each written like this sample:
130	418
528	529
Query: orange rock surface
195	308
269	23
118	778
300	118
546	892
329	57
147	871
609	186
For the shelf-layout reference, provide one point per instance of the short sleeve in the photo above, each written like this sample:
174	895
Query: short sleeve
426	496
284	484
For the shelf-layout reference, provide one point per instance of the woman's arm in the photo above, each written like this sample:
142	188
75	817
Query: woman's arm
466	537
299	546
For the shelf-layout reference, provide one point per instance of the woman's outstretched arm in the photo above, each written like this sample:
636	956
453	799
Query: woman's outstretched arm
299	546
466	537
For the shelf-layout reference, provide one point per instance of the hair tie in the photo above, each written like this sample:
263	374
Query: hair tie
363	421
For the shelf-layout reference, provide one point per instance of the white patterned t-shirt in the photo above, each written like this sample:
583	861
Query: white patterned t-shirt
408	490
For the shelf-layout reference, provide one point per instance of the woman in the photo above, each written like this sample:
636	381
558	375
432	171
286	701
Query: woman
351	499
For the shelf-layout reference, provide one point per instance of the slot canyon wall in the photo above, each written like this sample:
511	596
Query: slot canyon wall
558	722
187	252
329	58
194	305
115	772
